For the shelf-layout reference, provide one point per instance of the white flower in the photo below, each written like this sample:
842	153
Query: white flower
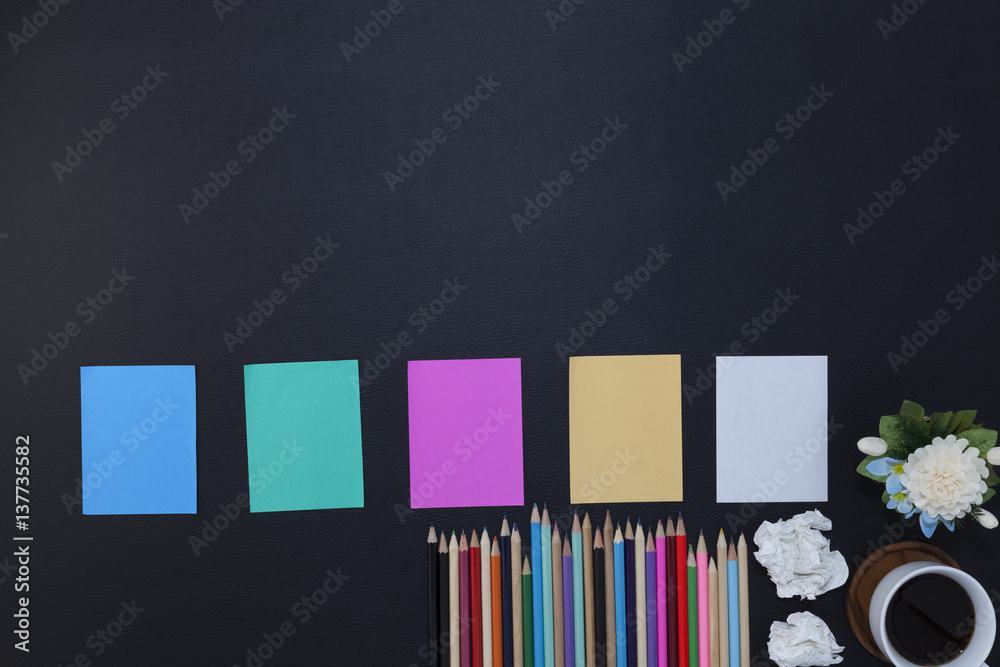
986	519
944	479
993	456
872	446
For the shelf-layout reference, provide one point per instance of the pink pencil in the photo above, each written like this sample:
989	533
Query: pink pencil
661	596
704	652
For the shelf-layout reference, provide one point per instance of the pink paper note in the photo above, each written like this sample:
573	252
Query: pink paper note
465	433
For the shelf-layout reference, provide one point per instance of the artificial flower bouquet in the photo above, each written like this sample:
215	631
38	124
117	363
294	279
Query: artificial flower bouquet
939	466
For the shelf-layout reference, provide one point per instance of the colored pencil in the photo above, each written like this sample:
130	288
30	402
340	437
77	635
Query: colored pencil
433	612
661	595
476	599
454	638
651	619
741	555
704	654
610	639
549	621
516	596
589	610
621	652
569	605
464	631
673	642
486	597
600	602
723	601
496	615
444	603
713	613
683	649
506	596
538	631
733	581
527	612
579	639
692	607
558	631
630	637
640	596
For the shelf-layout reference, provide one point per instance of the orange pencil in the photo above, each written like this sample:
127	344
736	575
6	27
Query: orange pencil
497	613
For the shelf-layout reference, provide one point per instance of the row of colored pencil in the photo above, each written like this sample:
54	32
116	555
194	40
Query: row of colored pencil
591	598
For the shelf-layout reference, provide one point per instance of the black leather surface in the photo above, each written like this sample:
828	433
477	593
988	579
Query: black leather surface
323	175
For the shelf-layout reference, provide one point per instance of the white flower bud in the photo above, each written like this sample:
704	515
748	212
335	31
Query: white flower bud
872	446
993	456
986	519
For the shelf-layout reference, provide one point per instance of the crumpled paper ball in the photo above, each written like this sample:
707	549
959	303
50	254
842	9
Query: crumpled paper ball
803	640
798	557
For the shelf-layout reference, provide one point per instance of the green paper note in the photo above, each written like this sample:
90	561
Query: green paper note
304	436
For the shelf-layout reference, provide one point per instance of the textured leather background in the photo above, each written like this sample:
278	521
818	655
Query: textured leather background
323	175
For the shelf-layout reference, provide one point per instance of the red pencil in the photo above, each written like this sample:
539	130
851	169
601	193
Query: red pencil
476	602
673	652
682	593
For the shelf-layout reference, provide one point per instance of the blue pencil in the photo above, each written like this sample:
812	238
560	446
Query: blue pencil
630	612
620	651
550	647
733	582
579	631
536	588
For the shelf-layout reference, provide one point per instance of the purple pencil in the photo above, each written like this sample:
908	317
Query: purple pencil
651	628
568	634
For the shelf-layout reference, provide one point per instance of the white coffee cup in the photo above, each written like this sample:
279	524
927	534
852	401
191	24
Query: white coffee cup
983	636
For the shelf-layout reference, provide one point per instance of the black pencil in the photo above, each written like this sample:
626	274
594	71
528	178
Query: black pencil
433	612
600	619
631	638
444	641
506	596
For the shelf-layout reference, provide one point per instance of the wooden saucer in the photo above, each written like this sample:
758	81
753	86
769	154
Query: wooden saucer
882	561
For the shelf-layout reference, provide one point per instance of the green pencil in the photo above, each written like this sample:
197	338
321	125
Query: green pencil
529	626
692	594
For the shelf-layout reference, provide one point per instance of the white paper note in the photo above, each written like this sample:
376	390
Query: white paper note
771	429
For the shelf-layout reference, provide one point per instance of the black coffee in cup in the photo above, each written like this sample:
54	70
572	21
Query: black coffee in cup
930	620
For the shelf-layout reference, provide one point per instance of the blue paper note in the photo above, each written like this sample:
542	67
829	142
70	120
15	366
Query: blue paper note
138	429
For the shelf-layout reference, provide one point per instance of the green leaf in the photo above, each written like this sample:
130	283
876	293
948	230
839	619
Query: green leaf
961	421
863	470
989	494
886	498
943	417
992	479
983	439
888	431
912	409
